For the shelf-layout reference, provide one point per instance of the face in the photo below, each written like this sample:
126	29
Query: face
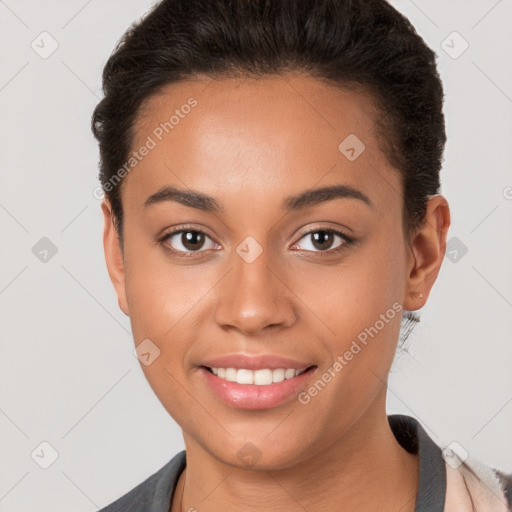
266	273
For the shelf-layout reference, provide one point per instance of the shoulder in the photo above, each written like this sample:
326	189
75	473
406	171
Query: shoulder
487	487
153	494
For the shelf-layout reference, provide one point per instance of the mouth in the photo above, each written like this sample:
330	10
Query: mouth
260	377
261	382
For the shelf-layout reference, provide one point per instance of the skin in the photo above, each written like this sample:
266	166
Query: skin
250	144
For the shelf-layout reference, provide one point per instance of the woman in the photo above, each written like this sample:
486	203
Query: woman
272	214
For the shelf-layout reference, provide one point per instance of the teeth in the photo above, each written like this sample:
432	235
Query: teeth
278	375
245	377
288	374
262	377
230	374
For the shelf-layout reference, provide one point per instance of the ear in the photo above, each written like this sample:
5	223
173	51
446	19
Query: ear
427	250
114	256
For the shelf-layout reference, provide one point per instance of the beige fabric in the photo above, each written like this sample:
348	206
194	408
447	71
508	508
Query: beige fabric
473	487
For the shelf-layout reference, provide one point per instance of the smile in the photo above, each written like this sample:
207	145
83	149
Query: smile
263	377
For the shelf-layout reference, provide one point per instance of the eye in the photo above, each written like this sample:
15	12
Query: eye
184	242
322	240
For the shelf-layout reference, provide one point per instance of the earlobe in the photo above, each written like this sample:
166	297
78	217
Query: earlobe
114	256
427	251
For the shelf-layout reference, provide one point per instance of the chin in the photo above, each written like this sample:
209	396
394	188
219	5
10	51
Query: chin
259	454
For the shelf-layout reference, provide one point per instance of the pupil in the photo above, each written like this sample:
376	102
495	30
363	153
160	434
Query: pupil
192	240
320	238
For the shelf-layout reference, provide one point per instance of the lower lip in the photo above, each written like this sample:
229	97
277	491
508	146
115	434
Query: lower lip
252	396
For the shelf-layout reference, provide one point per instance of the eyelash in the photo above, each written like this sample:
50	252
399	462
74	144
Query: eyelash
331	252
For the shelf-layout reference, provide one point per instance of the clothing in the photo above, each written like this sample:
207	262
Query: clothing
471	487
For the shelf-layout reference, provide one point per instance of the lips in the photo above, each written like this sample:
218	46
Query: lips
255	382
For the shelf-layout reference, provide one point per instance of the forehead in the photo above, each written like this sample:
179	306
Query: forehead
287	101
272	134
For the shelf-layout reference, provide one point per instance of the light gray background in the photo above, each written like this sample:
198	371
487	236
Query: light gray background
68	374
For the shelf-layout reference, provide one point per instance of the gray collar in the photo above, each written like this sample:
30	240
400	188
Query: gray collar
432	477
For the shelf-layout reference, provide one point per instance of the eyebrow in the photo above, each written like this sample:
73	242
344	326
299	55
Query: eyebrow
305	199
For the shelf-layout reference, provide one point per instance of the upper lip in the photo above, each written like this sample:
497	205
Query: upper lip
254	362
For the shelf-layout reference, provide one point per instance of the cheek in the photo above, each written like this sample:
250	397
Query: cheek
357	309
350	296
164	301
361	314
164	306
158	293
170	305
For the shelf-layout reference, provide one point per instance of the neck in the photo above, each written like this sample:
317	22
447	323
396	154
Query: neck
366	469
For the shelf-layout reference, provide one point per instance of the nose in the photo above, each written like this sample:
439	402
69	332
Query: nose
254	297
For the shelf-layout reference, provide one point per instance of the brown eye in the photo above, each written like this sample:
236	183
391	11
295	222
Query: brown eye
323	240
192	240
187	241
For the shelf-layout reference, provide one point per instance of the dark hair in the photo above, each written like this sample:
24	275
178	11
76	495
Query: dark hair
360	44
